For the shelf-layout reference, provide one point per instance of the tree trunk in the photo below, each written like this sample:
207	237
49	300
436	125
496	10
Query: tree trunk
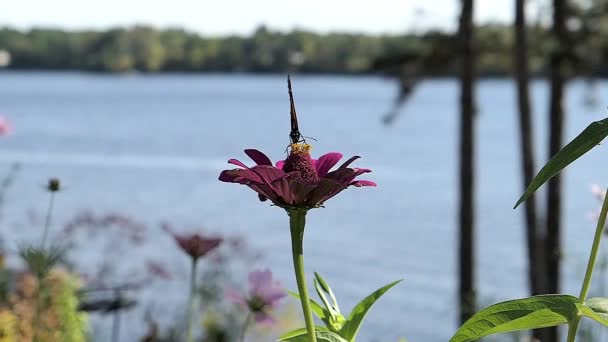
556	133
467	161
536	272
527	147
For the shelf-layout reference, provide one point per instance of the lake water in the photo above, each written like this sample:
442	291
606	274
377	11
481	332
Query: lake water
153	146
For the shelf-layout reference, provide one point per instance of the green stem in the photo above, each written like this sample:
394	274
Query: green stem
297	221
41	278
191	301
245	326
599	230
47	222
572	327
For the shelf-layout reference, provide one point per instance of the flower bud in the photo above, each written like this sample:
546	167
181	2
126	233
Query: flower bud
54	185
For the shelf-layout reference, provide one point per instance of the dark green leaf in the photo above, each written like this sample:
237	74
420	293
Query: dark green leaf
589	138
354	320
520	314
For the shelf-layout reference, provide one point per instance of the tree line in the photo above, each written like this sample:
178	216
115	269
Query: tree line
146	49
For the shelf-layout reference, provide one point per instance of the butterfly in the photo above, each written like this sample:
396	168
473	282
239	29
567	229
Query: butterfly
294	135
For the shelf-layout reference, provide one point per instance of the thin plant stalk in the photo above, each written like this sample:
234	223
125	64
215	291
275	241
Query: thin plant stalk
45	233
47	222
297	221
603	265
191	301
245	327
599	230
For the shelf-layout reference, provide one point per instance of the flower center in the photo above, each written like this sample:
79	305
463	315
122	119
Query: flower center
299	160
256	304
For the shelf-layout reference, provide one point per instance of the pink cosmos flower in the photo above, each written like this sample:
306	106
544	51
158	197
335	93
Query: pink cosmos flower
298	181
5	126
264	295
195	245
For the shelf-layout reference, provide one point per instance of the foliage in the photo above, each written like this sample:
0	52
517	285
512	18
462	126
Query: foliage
145	49
60	319
337	327
556	309
8	326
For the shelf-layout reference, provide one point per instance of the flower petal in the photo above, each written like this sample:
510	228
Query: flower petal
240	176
361	183
347	175
326	188
238	163
264	318
348	162
300	190
264	192
235	297
268	173
258	157
282	189
272	293
326	162
341	175
279	164
258	280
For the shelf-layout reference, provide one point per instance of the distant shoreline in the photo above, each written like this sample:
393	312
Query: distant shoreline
430	54
277	73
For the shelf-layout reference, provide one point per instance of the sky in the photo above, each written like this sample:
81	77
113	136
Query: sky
222	17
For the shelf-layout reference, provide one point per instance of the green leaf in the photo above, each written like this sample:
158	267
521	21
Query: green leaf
330	336
589	138
296	335
598	304
316	308
322	334
325	287
319	289
354	320
588	311
520	314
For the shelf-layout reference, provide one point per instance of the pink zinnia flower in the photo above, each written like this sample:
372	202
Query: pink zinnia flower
264	296
5	126
195	245
298	181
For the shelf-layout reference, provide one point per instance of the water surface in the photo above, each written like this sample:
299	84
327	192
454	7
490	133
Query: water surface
153	146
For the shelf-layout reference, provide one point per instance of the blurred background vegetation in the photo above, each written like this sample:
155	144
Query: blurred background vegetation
146	49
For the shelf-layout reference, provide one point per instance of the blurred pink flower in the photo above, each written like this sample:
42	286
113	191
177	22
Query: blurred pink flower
5	126
599	193
264	295
195	245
